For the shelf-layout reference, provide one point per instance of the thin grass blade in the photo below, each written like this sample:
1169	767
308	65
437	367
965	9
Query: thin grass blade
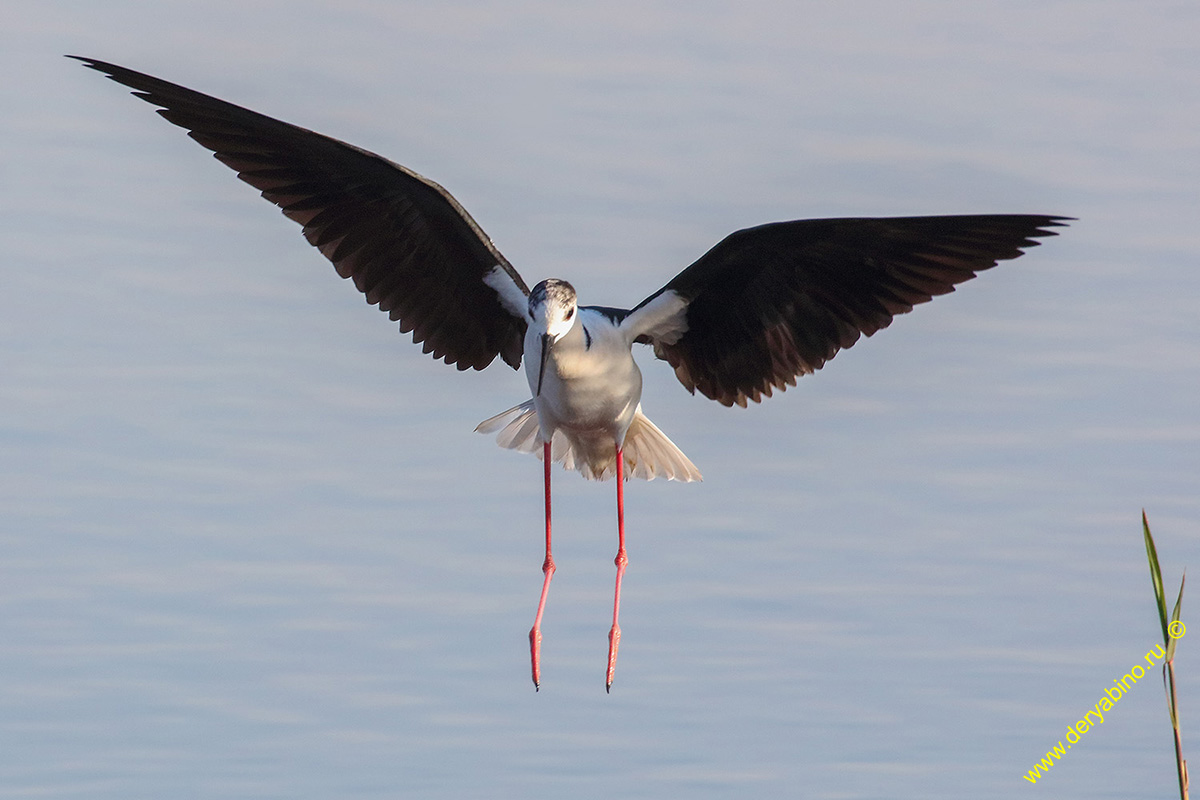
1156	577
1175	618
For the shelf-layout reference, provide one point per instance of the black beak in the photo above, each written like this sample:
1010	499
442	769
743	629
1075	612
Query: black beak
545	355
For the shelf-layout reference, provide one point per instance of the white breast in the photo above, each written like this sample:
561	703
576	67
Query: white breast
591	382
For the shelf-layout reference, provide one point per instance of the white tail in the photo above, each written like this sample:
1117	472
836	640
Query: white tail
648	452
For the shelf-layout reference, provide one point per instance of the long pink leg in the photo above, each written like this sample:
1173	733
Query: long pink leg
614	635
535	633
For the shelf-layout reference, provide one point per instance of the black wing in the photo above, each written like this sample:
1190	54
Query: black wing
771	303
408	245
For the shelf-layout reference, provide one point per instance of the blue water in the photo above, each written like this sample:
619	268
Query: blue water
250	546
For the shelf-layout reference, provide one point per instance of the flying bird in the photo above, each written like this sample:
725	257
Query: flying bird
763	307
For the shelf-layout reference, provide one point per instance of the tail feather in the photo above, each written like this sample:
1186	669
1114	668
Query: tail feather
648	453
517	428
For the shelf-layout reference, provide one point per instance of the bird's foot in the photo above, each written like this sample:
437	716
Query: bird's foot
614	641
535	656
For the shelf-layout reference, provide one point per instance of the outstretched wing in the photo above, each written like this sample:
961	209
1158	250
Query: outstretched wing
408	245
772	303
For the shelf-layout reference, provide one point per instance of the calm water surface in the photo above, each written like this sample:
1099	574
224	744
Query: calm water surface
250	547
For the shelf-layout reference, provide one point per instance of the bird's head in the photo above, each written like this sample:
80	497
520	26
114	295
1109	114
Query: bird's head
551	311
552	308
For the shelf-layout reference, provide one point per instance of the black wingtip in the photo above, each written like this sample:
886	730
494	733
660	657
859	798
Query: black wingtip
106	69
1054	221
91	63
1044	227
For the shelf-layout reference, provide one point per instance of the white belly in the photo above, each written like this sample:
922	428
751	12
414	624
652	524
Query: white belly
586	391
588	406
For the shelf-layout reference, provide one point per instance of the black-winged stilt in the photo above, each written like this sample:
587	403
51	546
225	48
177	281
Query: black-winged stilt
761	308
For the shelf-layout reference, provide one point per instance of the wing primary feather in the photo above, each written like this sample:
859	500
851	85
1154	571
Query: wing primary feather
771	303
403	239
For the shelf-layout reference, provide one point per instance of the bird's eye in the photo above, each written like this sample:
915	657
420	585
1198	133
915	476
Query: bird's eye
570	313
